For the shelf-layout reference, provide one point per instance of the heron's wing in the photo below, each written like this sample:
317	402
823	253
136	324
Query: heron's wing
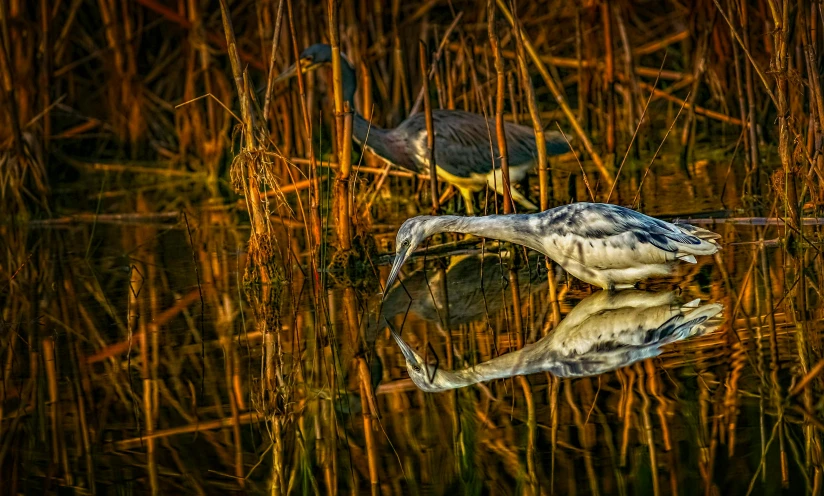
520	143
614	236
610	329
462	142
618	338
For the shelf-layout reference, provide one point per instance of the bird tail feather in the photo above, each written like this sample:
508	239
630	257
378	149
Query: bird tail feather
709	240
556	143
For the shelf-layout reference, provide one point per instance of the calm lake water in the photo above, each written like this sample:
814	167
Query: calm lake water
135	361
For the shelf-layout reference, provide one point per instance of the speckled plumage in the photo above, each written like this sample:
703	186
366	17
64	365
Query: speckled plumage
463	153
604	332
605	245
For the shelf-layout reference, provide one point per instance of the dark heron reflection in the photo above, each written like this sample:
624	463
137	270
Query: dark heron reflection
604	332
476	288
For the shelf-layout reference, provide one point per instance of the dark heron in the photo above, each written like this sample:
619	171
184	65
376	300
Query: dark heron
462	151
604	332
608	246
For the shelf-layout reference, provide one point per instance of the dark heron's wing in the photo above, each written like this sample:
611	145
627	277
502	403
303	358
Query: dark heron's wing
462	142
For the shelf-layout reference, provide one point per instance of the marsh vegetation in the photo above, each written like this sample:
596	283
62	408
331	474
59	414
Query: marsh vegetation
194	256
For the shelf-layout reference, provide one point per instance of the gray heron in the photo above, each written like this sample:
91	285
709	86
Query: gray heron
604	332
606	245
463	155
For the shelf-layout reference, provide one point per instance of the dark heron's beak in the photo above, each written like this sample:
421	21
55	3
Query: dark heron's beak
306	65
400	258
410	356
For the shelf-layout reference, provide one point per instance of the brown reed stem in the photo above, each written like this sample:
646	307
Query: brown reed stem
500	90
746	48
755	180
46	47
633	94
739	86
634	134
272	57
367	408
430	129
571	63
609	76
532	428
343	143
544	174
342	190
686	102
333	8
7	79
253	189
780	62
436	58
53	402
314	192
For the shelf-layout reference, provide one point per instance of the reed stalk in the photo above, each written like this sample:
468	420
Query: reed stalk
343	133
609	78
423	55
314	192
544	174
272	57
500	130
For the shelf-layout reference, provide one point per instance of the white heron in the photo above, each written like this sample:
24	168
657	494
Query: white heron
606	245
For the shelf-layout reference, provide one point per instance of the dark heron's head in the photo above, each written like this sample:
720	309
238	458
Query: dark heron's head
310	59
316	56
410	235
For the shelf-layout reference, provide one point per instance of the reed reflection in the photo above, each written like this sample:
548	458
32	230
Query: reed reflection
604	332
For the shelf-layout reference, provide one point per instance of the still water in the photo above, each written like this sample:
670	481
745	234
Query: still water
135	361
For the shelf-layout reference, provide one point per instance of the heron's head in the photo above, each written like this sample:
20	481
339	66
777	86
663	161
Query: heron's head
309	60
410	235
427	377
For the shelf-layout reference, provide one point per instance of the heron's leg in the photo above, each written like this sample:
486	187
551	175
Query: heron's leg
467	196
449	193
516	195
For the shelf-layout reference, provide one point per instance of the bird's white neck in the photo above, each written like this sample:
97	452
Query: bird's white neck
502	367
516	228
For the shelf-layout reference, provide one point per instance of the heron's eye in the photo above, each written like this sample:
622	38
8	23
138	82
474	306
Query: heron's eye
416	368
405	242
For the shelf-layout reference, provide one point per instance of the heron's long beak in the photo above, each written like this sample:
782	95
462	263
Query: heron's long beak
410	356
306	65
400	258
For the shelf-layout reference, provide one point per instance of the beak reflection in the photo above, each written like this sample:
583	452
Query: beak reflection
400	258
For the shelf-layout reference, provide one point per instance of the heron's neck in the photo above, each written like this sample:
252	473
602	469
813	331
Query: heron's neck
371	136
349	82
364	132
521	362
521	229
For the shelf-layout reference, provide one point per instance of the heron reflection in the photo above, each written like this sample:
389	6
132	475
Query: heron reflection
604	332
